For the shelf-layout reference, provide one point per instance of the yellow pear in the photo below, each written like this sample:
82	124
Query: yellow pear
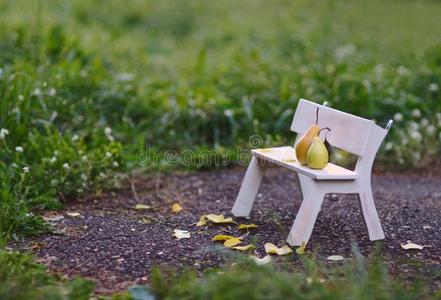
305	141
317	156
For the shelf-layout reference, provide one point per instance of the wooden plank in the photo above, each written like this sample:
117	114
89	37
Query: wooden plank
286	157
348	132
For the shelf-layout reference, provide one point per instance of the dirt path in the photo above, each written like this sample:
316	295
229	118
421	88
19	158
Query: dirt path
117	245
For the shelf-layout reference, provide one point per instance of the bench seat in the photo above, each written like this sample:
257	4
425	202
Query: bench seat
286	157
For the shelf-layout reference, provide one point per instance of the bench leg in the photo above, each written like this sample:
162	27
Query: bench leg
248	190
370	215
304	222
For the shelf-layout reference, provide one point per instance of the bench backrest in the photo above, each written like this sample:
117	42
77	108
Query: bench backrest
348	132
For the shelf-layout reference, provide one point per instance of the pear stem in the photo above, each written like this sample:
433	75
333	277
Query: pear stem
327	128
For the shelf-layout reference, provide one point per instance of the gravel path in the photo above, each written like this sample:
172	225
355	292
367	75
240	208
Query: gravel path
118	245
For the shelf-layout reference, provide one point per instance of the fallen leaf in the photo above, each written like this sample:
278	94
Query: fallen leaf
411	246
244	248
202	221
181	234
73	214
53	217
145	221
222	237
301	250
335	257
176	207
261	261
219	219
247	226
232	242
140	206
270	248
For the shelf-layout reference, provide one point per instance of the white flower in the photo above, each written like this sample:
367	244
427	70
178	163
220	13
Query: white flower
56	152
14	165
20	97
102	174
66	166
433	87
84	177
431	129
37	92
108	133
416	135
115	164
416	113
342	52
424	122
26	169
388	146
53	159
403	71
3	133
416	156
84	158
75	138
108	154
398	117
414	126
19	149
52	92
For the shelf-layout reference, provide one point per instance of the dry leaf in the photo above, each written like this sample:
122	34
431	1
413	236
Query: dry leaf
335	257
176	207
411	246
181	234
247	226
53	217
140	206
301	249
202	221
145	221
222	237
219	219
261	261
73	214
270	248
244	248
232	242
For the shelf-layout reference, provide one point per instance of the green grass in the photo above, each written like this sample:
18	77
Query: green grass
86	85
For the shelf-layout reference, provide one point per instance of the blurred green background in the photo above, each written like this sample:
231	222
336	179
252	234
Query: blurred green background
85	85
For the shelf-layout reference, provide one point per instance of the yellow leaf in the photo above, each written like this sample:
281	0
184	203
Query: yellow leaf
411	246
335	257
181	234
270	248
261	261
301	249
247	226
222	237
73	214
244	248
202	221
140	206
232	242
176	207
219	219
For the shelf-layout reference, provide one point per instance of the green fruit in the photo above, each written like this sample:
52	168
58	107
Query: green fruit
317	156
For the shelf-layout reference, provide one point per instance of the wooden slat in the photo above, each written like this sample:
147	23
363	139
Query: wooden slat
286	157
349	132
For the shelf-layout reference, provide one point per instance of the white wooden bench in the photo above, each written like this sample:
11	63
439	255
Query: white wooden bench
353	134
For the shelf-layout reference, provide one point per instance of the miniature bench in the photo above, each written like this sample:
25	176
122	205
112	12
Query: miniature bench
350	133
